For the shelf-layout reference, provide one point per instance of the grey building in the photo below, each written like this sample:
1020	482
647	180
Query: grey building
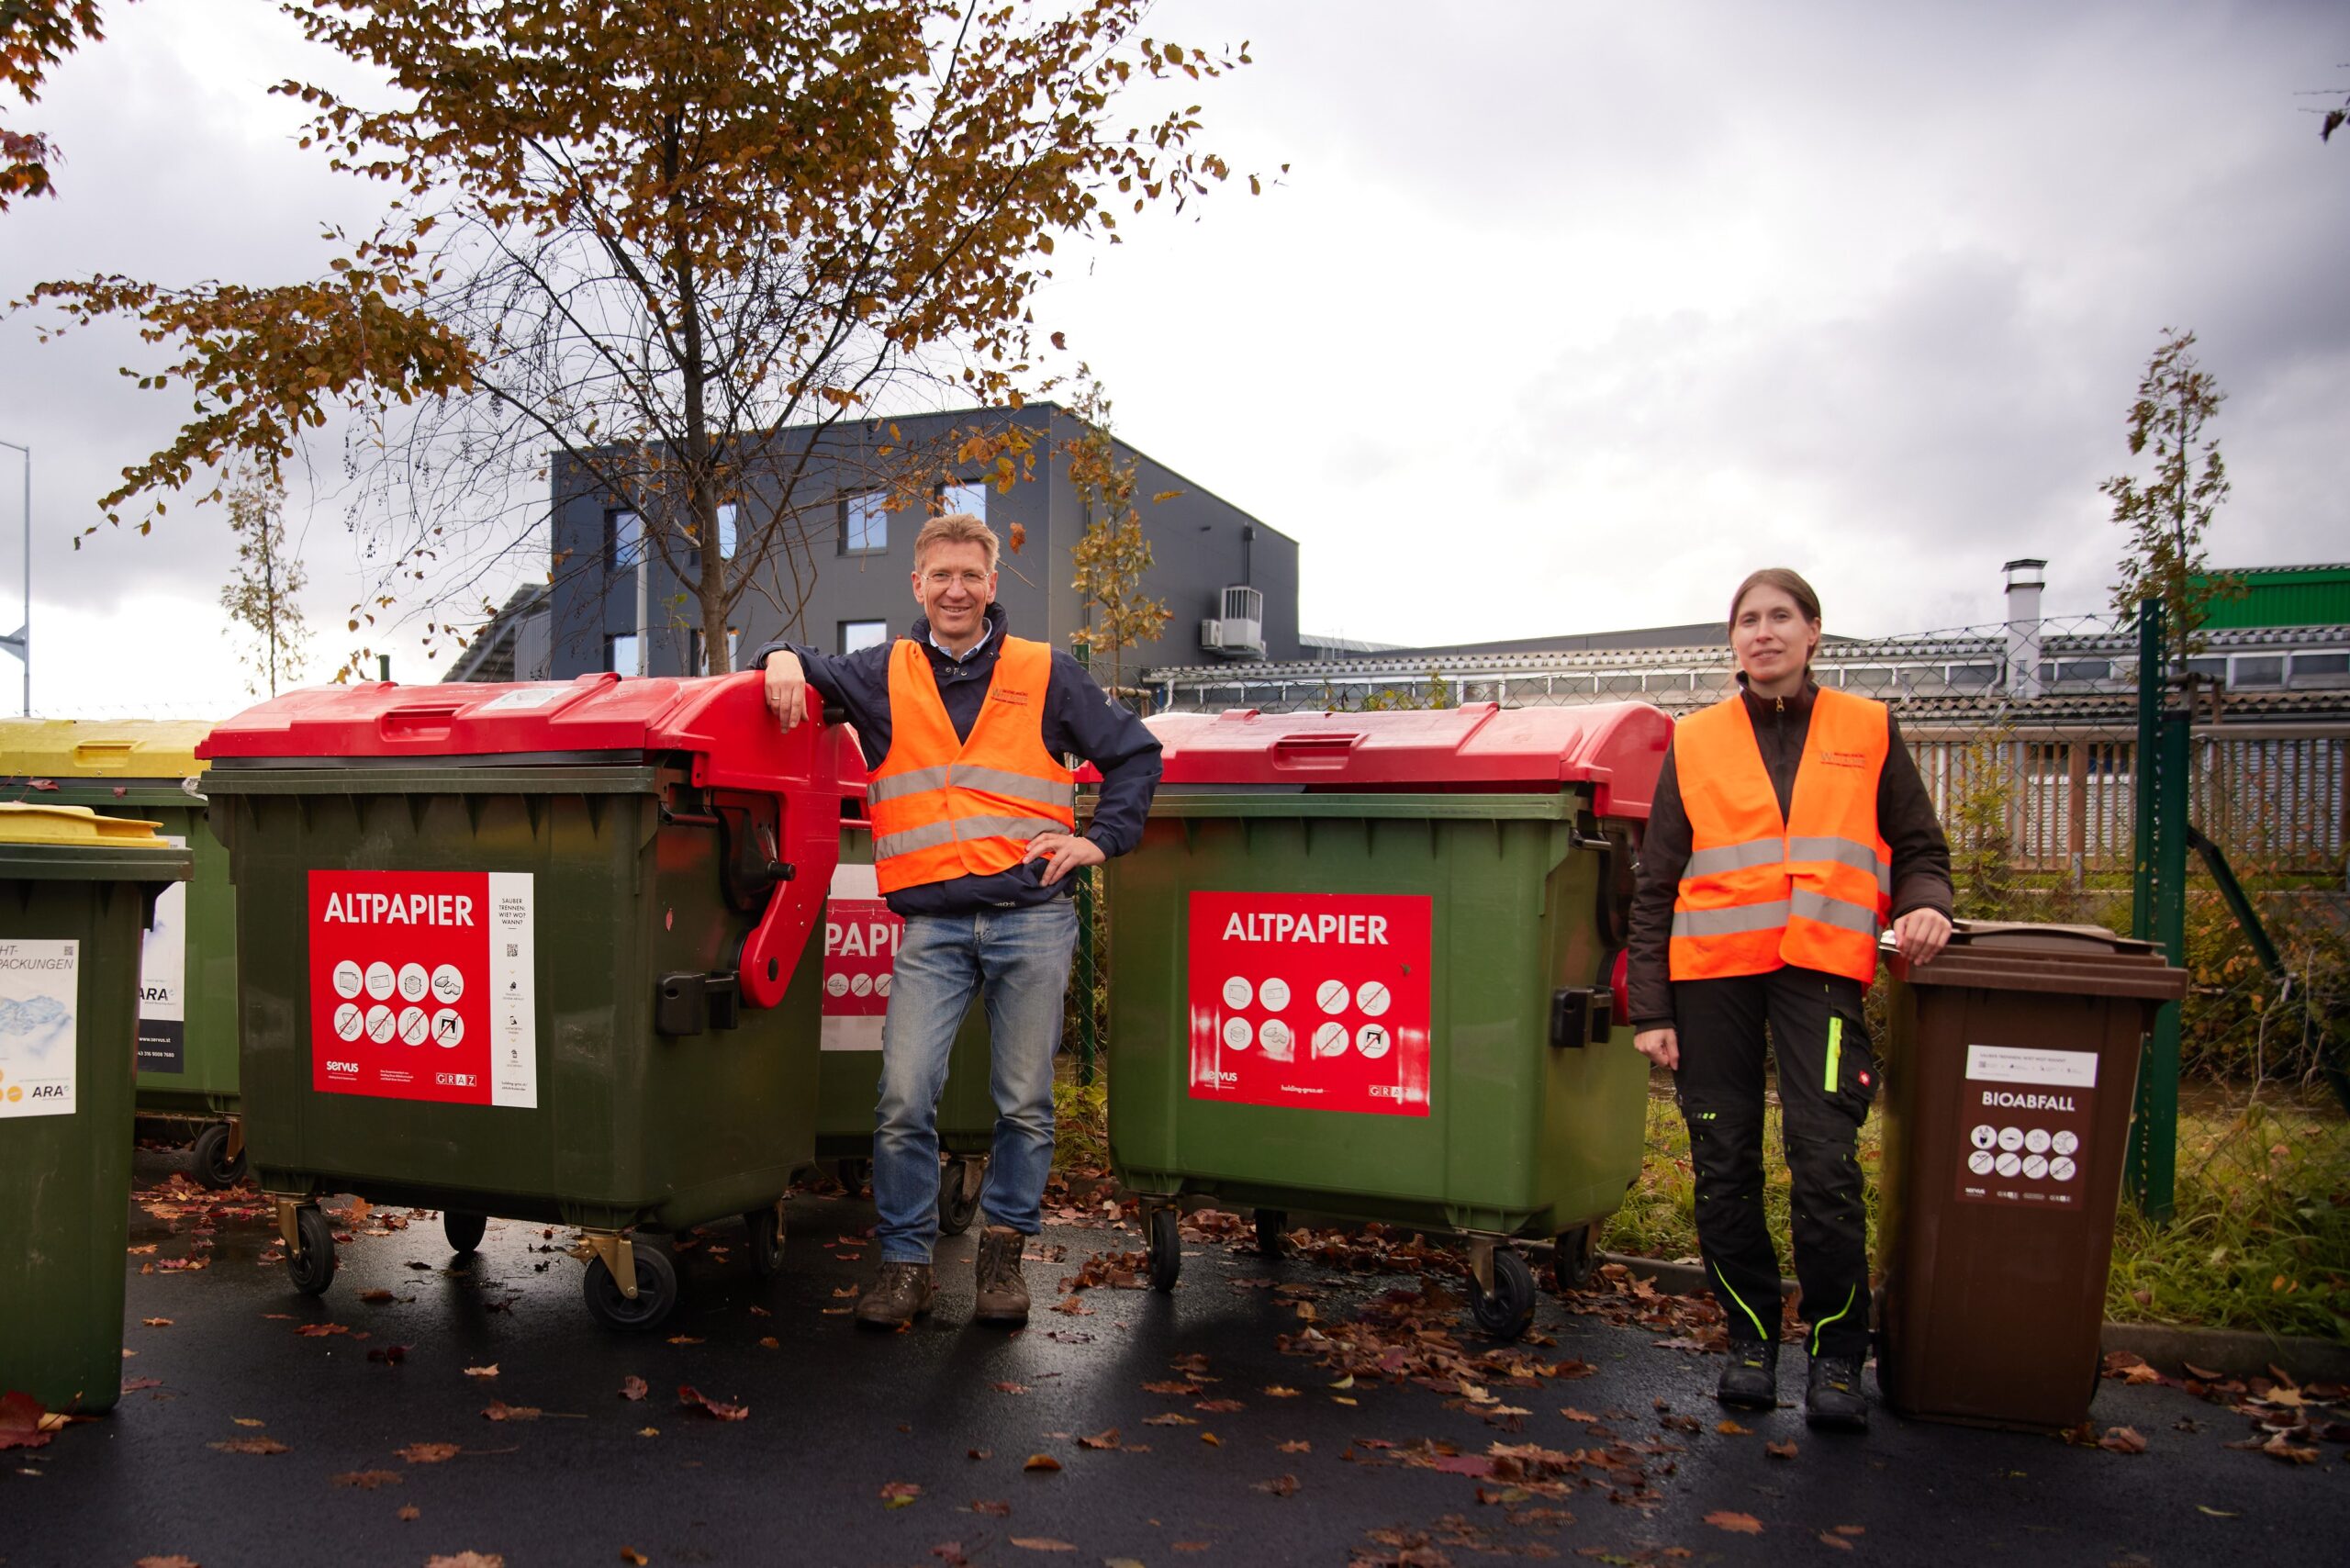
611	604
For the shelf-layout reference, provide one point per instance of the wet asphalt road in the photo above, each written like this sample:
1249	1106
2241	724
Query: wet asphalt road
835	1415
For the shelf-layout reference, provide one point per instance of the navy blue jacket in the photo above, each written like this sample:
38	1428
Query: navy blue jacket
1080	717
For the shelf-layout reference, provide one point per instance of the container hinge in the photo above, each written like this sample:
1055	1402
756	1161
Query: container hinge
687	1003
1581	1015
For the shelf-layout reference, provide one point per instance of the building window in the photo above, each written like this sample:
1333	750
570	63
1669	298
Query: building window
864	525
1974	677
957	495
2085	669
859	634
2265	669
2320	667
619	653
623	540
2211	669
698	656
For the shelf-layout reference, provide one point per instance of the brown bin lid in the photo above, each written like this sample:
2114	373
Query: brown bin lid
2078	960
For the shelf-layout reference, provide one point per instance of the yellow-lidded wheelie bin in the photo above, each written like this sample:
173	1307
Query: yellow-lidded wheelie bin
530	951
76	892
2010	1067
187	986
861	939
1365	966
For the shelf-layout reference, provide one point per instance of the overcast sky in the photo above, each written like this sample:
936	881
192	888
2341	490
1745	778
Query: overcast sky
1564	317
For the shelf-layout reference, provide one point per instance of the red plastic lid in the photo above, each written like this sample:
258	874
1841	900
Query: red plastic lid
598	712
1618	746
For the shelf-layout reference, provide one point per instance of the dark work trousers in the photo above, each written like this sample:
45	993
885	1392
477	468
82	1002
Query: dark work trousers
1827	1078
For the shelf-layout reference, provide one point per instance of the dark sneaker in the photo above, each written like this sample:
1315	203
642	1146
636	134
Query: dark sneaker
1750	1381
1002	1292
1834	1400
900	1293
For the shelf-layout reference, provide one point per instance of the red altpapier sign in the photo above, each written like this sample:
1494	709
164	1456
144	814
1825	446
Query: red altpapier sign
861	941
421	986
1316	1001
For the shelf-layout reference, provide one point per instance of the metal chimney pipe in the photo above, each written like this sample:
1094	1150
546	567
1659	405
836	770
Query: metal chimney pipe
2025	579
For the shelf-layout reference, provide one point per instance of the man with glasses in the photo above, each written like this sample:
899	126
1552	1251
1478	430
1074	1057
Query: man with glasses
964	729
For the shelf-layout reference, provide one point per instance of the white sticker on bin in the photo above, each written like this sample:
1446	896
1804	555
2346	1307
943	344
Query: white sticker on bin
2013	1064
526	697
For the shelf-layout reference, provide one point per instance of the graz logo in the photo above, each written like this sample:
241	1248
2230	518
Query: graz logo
1018	698
1828	758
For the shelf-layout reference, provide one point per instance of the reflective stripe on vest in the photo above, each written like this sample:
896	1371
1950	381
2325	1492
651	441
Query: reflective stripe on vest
1760	890
945	806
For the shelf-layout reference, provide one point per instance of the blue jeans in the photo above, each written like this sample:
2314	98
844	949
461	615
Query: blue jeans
1018	960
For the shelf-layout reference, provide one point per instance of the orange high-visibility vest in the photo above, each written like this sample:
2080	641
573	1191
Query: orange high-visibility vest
1811	890
945	806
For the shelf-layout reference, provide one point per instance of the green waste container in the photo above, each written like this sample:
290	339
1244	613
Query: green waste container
188	1002
530	951
861	939
76	892
1365	966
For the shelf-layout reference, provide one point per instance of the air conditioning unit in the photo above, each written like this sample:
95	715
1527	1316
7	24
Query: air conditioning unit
1239	631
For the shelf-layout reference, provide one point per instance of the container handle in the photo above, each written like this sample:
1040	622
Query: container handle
1319	751
102	754
422	722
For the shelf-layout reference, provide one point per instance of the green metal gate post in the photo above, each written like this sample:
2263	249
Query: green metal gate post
2158	908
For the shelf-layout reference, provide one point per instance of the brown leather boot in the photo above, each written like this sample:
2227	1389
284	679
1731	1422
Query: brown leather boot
900	1293
1002	1292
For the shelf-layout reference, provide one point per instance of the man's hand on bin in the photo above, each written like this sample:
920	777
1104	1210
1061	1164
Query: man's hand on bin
1063	853
786	688
1662	1046
1921	934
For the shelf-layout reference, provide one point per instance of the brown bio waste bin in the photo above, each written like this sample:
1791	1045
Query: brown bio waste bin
2011	1067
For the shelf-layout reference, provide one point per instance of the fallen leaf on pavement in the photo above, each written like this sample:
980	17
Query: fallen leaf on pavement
687	1395
368	1480
1182	1386
1108	1439
250	1445
1278	1487
899	1494
1042	1461
1838	1542
633	1558
1219	1407
467	1560
1011	1388
1571	1414
770	1343
489	1371
1172	1418
632	1388
319	1330
979	1453
156	1322
1276	1391
409	1513
683	1339
1041	1544
2216	1513
376	1298
1300	1446
1212	1440
499	1410
1780	1450
429	1453
133	1385
2122	1439
1732	1429
389	1355
249	1421
174	1561
1737	1524
993	1510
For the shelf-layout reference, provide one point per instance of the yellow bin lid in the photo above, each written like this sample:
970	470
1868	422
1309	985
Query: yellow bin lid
76	825
94	748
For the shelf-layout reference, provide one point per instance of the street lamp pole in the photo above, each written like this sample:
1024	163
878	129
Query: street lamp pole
20	642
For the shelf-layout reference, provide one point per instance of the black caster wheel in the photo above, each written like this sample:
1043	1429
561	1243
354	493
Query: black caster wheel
464	1231
766	1226
214	1168
853	1173
1506	1311
1576	1259
310	1265
656	1291
1164	1243
1271	1223
958	1198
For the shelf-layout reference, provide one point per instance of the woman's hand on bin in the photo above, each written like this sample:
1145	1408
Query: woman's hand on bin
1920	933
1063	853
786	688
1662	1046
